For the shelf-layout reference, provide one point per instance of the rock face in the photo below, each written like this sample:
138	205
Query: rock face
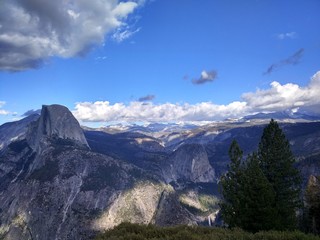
14	131
312	200
59	199
137	205
309	167
54	187
57	121
189	163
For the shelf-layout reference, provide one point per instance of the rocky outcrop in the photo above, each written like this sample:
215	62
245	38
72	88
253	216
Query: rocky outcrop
60	199
14	131
52	186
309	166
76	193
136	205
189	163
56	122
312	205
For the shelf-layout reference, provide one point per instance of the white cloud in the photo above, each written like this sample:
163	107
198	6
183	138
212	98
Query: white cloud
206	75
277	98
148	112
101	58
124	8
2	111
290	35
32	30
123	34
287	96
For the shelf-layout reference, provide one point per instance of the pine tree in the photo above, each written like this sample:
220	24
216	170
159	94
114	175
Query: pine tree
259	197
248	196
265	192
231	184
276	161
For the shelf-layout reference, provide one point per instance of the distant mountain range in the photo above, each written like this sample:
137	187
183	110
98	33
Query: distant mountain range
284	115
61	181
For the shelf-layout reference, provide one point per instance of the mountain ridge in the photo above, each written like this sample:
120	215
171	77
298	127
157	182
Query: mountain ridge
55	185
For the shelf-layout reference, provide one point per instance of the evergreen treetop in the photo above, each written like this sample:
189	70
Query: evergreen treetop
232	187
277	163
263	192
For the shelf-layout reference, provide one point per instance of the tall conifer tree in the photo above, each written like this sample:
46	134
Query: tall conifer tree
257	207
232	187
264	192
277	163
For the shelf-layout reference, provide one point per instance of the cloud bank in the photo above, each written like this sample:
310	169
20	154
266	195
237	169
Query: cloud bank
142	112
31	31
292	60
277	98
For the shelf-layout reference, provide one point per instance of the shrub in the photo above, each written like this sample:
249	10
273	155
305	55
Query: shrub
126	231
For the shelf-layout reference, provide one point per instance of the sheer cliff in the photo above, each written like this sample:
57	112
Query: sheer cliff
54	186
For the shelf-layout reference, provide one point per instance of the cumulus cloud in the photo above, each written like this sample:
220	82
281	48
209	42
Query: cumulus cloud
33	30
31	112
206	76
146	98
2	111
288	96
290	35
277	98
292	60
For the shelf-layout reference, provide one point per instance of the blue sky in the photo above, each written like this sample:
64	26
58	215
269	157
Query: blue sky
185	60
